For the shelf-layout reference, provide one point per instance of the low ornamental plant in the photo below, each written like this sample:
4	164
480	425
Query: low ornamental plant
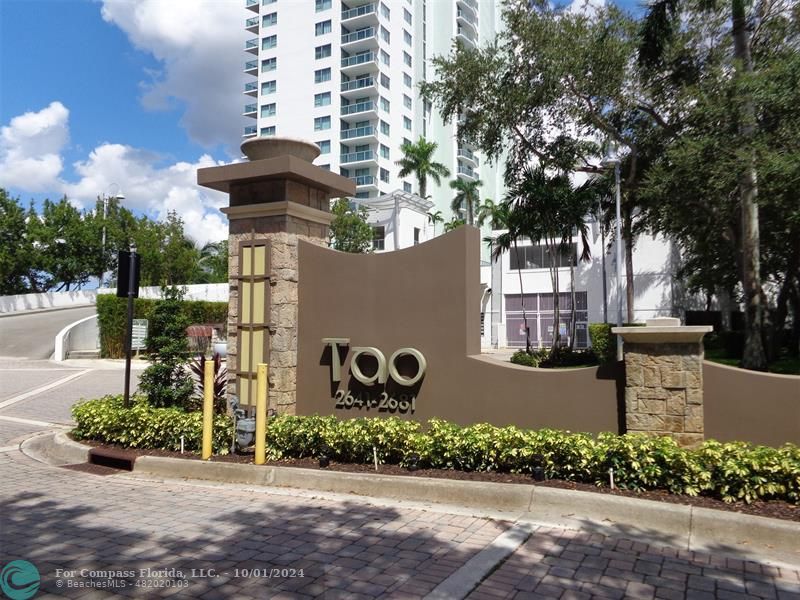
734	471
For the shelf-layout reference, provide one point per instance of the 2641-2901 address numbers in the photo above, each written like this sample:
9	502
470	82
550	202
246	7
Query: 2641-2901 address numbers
404	403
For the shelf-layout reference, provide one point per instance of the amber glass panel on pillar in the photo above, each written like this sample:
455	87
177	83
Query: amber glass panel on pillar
253	324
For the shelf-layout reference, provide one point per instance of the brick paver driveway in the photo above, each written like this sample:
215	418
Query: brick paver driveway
214	541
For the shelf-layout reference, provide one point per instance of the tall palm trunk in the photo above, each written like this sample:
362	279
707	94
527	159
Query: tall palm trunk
522	302
469	211
551	250
573	311
754	355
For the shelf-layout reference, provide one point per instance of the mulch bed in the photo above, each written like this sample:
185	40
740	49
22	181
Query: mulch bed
774	509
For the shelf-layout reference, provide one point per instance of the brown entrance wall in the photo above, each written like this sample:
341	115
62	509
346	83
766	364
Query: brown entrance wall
762	408
428	298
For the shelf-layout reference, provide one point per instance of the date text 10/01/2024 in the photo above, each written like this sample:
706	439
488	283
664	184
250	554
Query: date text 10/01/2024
404	403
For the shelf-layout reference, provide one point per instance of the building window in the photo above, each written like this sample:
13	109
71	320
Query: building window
385	34
407	123
268	131
322	27
539	312
269	20
416	235
322	123
270	64
268	110
324	146
537	257
407	37
384	128
323	99
385	175
407	59
323	5
406	187
269	87
322	51
384	104
384	151
407	16
407	79
321	75
385	11
385	57
378	237
385	81
406	101
269	42
406	142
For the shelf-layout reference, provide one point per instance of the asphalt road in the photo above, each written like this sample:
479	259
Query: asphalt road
31	335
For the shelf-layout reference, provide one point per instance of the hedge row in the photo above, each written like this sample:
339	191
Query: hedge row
112	312
142	426
730	471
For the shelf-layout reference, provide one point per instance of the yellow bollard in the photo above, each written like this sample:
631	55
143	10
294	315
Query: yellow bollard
261	414
208	407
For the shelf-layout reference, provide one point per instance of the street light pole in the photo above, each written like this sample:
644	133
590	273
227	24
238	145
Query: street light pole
619	258
129	324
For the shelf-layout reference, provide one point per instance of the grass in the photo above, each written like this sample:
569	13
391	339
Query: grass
785	365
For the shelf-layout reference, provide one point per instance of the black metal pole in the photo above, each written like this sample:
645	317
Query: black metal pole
129	328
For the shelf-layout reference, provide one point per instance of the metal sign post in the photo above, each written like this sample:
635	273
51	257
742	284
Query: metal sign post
131	291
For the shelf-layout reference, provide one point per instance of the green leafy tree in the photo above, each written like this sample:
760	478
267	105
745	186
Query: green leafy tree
418	160
434	218
349	230
16	247
167	382
467	196
214	262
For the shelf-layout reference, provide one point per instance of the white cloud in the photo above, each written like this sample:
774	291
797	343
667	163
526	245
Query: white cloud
199	44
31	161
30	147
586	7
152	189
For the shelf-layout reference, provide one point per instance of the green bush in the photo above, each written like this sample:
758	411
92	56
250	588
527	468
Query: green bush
521	357
142	426
603	342
730	471
112	312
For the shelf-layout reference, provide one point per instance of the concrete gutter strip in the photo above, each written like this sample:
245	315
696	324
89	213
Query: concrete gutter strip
676	525
467	578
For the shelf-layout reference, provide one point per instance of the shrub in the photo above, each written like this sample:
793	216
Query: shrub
603	342
143	426
220	382
112	313
521	357
729	471
166	382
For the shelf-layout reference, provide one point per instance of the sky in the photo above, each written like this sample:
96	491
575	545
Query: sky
100	97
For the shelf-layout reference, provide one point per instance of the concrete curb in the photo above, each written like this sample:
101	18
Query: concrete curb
679	525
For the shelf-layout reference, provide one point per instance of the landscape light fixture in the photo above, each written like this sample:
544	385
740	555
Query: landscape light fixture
412	462
612	159
538	467
324	457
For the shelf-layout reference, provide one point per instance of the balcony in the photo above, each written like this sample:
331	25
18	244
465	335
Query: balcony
360	64
361	16
251	46
464	18
251	25
358	41
250	131
464	171
365	180
466	36
469	155
363	111
251	67
250	110
251	89
356	88
354	158
252	5
357	132
468	7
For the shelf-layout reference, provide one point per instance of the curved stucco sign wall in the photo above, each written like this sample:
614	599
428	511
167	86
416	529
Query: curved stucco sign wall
408	344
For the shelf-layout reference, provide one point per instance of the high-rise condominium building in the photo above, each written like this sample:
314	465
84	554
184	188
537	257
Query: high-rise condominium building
345	75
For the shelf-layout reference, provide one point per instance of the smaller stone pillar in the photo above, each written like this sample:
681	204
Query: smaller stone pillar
664	379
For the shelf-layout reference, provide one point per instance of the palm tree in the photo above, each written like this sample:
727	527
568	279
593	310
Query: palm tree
214	261
418	159
434	218
467	193
505	216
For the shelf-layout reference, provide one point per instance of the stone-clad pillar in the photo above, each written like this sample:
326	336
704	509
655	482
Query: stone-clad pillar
276	199
664	379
